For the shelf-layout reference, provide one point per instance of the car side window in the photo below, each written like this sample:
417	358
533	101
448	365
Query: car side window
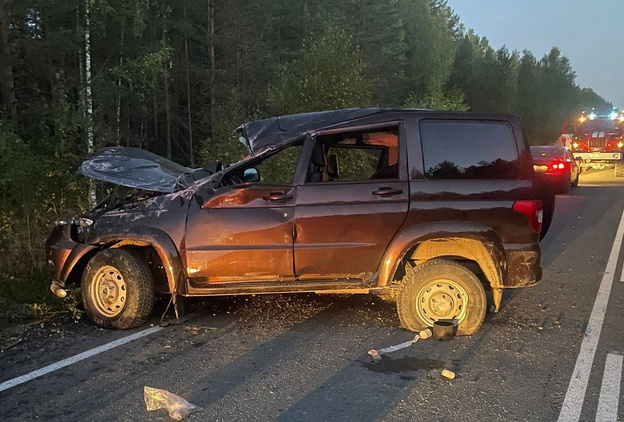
356	156
456	149
280	167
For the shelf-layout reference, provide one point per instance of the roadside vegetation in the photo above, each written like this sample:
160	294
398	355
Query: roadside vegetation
177	77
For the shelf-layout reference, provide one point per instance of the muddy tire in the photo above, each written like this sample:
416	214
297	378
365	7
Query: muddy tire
117	289
441	289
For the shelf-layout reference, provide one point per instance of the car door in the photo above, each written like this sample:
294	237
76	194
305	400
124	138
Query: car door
244	232
345	220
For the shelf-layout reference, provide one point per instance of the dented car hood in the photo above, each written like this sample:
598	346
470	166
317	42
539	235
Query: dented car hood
134	168
269	134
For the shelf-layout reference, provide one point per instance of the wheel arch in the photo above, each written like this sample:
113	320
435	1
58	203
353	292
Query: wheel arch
149	238
461	240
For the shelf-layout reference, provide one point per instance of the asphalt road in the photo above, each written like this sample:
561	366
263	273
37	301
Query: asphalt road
304	357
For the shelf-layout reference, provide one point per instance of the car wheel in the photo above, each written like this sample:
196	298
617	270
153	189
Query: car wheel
117	289
576	181
441	289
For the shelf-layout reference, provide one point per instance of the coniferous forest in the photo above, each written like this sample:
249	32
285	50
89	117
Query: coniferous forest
177	77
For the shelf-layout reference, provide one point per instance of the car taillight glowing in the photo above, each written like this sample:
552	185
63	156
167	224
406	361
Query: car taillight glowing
558	166
533	211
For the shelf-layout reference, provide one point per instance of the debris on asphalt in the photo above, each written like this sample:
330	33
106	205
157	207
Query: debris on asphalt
376	354
10	345
196	327
445	329
449	375
177	407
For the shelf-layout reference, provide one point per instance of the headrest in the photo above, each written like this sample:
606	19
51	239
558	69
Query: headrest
318	156
332	166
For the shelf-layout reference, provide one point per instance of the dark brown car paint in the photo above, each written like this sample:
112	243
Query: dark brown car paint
242	234
327	237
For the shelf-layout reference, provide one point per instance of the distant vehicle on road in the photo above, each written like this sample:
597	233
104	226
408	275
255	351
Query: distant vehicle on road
598	138
556	166
425	208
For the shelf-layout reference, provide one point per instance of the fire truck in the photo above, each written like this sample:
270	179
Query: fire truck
596	139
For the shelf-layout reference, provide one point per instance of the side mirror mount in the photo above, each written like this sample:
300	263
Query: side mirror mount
251	175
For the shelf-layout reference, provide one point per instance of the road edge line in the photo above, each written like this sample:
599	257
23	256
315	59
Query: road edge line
76	358
608	402
575	395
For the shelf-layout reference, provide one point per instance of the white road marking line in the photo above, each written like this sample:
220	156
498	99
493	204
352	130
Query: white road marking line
76	358
610	390
622	276
575	396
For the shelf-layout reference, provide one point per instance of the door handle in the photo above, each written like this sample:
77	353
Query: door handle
387	191
277	196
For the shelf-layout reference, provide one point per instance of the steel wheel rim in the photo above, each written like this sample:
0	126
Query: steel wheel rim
109	293
441	299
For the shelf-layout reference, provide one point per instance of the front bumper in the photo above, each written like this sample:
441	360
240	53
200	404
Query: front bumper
63	253
598	157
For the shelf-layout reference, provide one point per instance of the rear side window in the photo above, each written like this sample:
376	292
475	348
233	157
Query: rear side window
469	150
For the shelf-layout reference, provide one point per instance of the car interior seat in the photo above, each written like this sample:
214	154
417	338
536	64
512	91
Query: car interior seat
317	164
333	172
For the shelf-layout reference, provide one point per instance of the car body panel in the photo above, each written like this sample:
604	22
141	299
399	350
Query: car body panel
238	235
343	232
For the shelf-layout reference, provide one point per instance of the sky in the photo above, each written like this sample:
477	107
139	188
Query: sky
589	33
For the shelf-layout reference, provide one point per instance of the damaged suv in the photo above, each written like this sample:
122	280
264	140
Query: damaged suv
429	209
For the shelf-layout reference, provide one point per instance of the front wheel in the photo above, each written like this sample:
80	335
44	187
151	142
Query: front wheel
441	289
117	289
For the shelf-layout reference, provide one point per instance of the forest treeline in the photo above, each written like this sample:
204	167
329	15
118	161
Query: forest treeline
177	77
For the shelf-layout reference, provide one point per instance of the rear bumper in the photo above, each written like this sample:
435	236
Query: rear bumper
524	266
556	182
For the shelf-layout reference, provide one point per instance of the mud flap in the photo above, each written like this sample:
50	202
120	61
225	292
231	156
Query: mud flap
497	296
178	305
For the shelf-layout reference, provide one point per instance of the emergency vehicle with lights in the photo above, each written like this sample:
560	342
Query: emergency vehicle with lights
597	139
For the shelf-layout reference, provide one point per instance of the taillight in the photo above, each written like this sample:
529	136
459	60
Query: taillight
558	166
533	211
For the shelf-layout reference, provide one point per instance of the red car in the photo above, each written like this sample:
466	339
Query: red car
557	166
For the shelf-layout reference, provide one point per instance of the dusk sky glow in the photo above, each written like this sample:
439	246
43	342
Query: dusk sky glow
589	33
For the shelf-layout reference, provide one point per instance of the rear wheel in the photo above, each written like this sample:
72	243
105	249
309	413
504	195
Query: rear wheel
441	289
576	181
117	289
619	169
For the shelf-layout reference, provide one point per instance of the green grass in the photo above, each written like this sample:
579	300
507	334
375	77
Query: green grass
28	297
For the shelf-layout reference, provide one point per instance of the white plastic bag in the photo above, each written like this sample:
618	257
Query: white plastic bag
177	407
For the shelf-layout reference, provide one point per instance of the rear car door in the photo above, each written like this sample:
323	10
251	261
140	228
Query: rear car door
353	201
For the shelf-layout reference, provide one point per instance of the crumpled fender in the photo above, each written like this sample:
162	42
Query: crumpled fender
64	254
469	240
146	236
